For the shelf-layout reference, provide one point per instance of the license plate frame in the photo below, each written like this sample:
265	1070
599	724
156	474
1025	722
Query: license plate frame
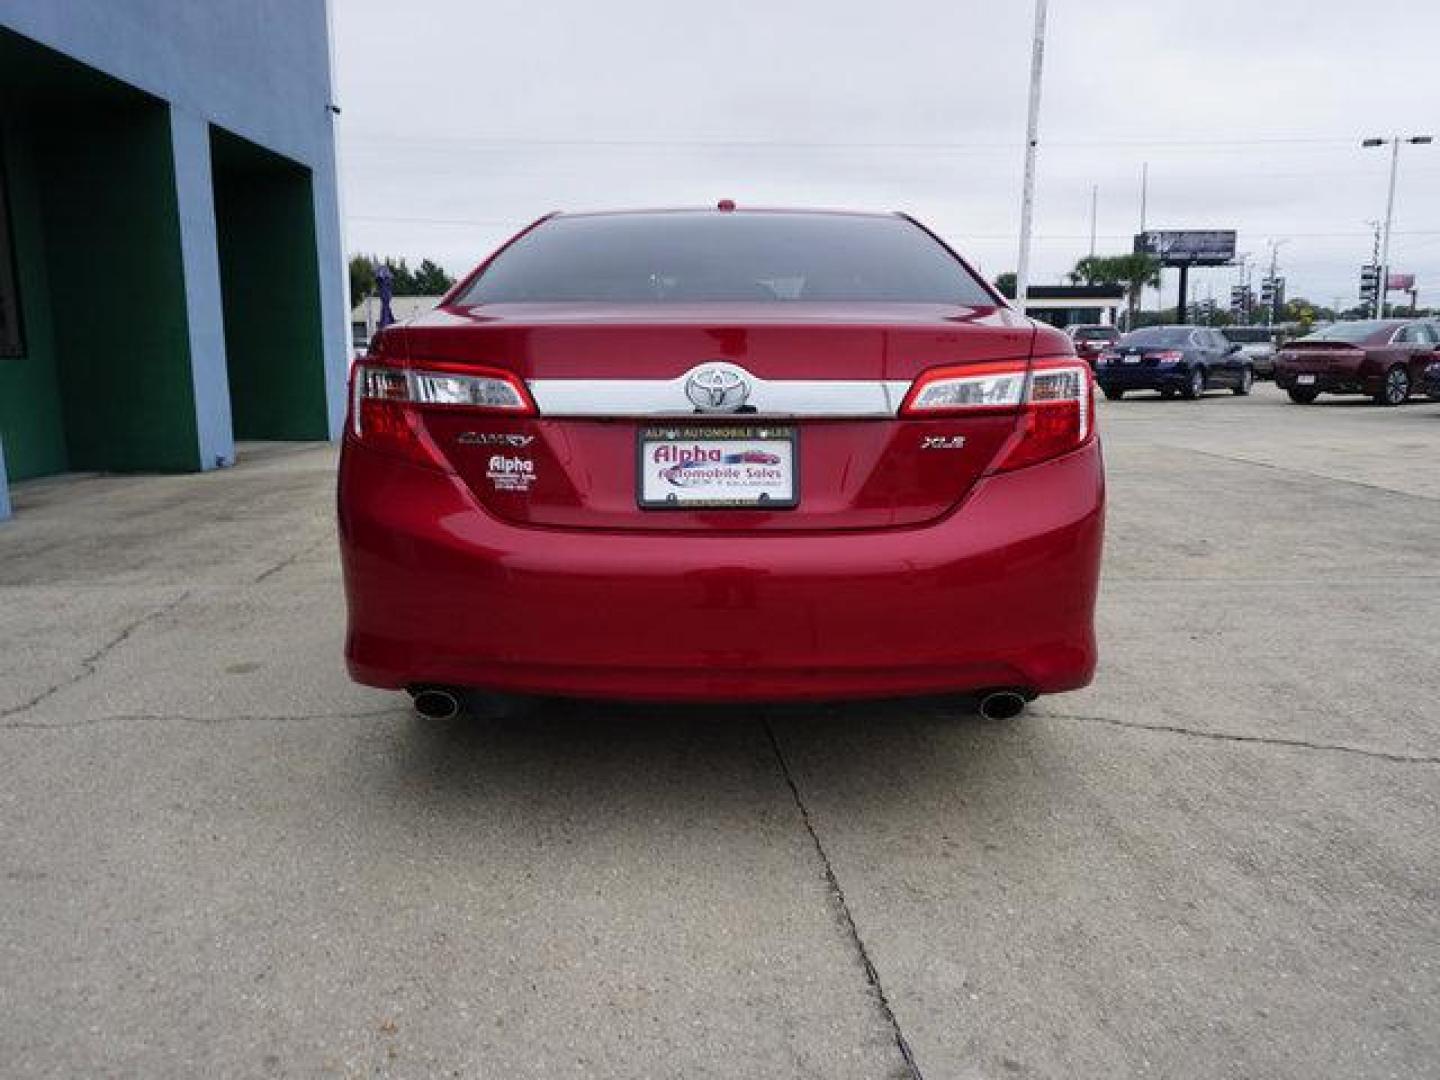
1305	380
728	440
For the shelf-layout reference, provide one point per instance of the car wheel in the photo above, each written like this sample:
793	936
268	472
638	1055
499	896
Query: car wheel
1194	386
1303	395
1247	380
1113	393
1396	387
1167	392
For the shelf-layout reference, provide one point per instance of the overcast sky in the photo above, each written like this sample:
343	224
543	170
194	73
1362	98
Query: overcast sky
465	119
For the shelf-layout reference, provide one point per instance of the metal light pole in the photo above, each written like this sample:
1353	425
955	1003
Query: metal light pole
1094	209
1032	129
1274	288
1383	283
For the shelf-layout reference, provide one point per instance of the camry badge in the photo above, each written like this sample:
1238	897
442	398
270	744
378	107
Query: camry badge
492	438
718	387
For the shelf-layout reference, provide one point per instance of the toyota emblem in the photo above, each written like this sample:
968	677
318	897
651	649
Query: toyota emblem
718	387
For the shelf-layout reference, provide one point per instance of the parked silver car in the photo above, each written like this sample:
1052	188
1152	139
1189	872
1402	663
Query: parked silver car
1258	344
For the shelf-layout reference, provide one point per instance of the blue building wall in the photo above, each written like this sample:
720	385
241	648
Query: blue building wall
259	69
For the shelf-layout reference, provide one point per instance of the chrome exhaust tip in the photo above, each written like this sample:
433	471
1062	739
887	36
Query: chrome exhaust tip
436	703
1002	704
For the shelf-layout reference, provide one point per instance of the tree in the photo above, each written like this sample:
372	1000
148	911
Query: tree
1092	270
1006	284
1134	272
362	278
430	279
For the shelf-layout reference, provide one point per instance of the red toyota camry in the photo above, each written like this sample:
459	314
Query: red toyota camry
721	455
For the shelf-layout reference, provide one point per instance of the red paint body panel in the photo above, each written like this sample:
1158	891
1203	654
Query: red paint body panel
924	554
858	474
999	593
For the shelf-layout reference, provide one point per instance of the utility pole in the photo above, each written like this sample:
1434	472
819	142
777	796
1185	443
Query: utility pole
1094	207
1382	285
1144	198
1383	294
1274	283
1032	133
1144	190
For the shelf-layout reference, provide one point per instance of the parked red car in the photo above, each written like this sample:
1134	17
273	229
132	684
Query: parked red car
1383	358
891	482
1092	339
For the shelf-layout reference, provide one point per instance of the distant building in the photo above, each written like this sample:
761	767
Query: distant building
171	278
365	316
1065	305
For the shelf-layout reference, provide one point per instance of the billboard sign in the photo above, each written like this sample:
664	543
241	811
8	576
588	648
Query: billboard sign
1188	247
1400	282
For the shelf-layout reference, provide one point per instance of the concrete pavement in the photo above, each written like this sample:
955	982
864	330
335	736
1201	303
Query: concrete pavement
218	857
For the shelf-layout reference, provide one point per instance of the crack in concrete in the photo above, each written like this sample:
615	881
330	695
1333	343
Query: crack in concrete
842	907
292	559
201	721
1264	740
90	664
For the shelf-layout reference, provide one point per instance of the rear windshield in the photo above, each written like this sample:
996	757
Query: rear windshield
1348	331
1095	333
698	256
1249	335
1158	335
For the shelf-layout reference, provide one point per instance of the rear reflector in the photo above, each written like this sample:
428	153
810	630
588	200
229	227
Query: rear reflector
1054	400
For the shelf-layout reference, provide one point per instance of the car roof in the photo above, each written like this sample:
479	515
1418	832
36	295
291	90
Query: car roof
659	210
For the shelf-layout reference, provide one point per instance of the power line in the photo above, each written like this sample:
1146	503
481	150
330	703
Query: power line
806	144
517	223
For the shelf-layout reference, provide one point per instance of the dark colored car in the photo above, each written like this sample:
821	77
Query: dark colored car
1430	382
1381	358
1091	339
1184	360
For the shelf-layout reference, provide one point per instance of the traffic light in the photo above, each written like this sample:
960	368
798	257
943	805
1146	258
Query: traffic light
1369	284
1241	300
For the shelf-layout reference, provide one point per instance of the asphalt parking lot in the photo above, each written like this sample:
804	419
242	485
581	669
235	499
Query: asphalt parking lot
219	858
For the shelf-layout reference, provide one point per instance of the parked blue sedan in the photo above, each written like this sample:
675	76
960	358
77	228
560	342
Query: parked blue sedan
1184	360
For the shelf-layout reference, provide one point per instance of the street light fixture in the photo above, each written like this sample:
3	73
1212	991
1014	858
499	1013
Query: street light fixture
1394	143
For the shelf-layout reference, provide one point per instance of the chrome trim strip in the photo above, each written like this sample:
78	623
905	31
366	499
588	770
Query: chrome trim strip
769	397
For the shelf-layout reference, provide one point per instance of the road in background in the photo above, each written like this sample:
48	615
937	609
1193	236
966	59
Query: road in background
218	857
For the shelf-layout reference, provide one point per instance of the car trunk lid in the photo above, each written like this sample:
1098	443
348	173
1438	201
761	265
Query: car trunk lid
825	379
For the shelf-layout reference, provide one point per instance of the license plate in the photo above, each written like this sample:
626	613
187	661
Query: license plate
743	467
1131	359
1305	380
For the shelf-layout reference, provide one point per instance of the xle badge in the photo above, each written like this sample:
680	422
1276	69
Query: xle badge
942	442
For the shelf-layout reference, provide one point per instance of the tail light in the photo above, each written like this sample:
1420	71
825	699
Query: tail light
1169	356
1110	356
387	403
1054	400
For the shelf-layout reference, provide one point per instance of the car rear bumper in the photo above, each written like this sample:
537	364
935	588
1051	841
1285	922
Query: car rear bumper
1127	377
1351	380
1000	592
